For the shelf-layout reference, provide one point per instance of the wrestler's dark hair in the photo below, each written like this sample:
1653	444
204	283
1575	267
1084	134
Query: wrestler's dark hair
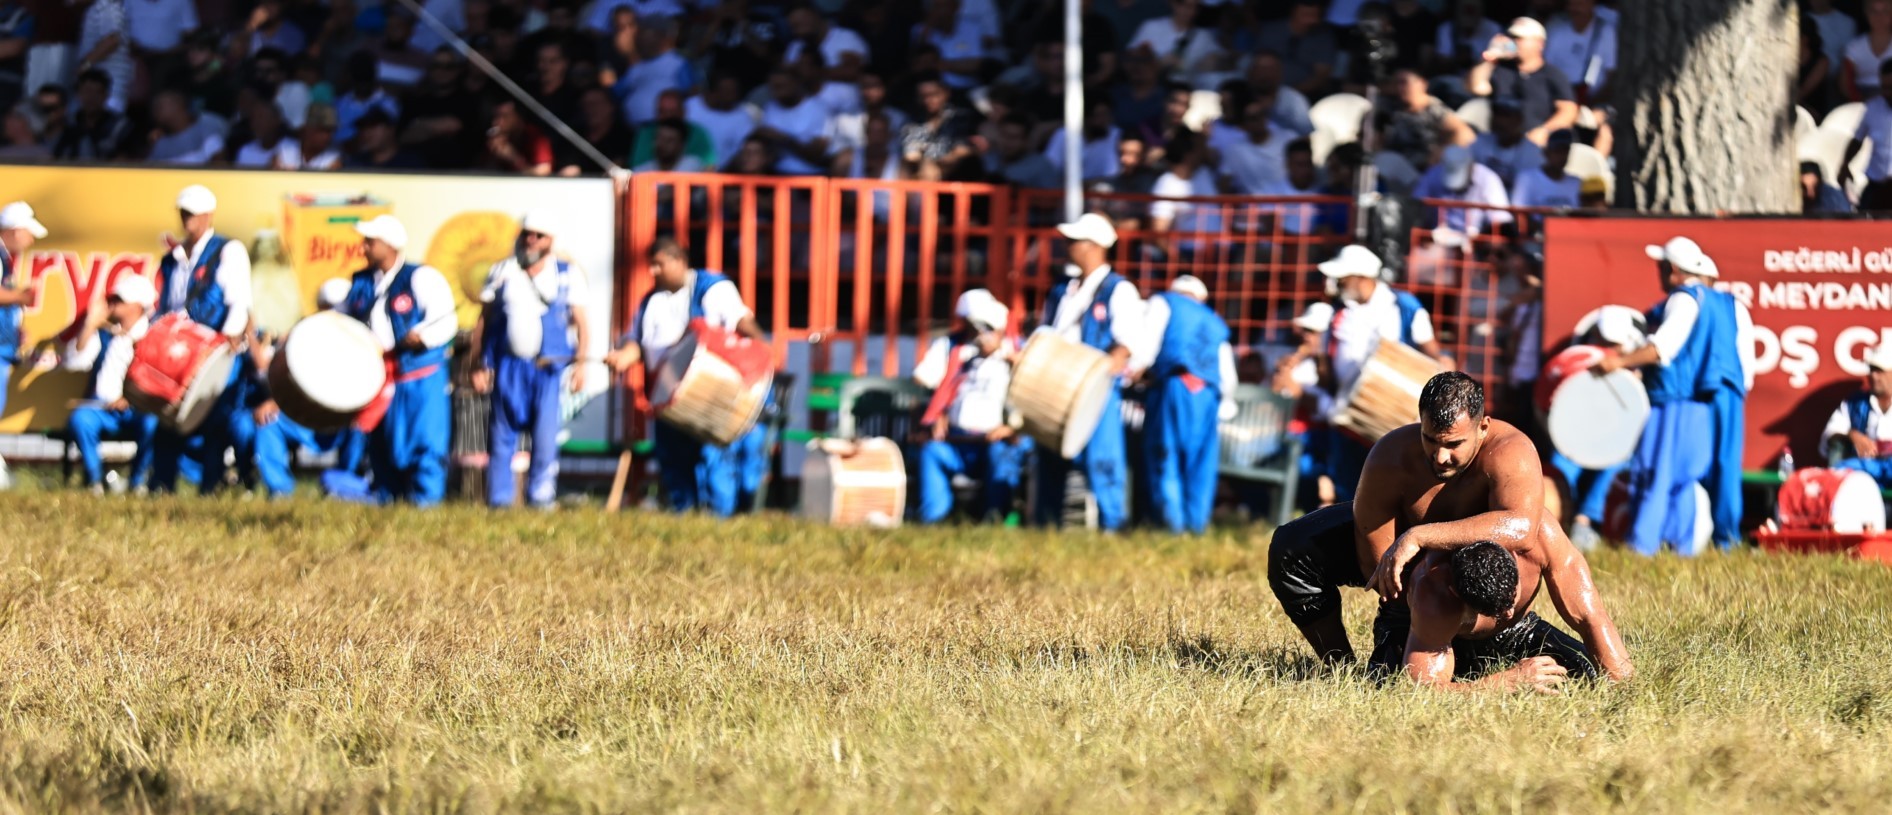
1450	395
1485	577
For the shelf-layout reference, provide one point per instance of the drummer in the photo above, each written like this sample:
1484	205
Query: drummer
206	277
277	435
1370	311
1302	375
1191	385
1860	421
1701	365
1620	329
694	475
103	347
969	373
409	307
534	307
1095	306
18	230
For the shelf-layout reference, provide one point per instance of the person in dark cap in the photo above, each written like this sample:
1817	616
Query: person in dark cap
377	147
1549	185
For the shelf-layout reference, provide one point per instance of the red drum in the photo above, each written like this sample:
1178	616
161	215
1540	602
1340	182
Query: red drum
1817	499
713	384
178	371
1596	421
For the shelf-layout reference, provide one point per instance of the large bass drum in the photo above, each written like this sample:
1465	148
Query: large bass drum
1059	389
329	367
178	371
713	384
1385	397
847	483
1596	421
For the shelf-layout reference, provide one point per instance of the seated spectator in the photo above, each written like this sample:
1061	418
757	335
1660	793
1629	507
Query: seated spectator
316	147
1817	196
1343	179
376	147
1258	160
364	93
848	130
206	79
795	126
560	27
398	64
1137	100
1548	185
1836	30
1595	194
157	29
1418	125
440	121
1014	162
1415	30
618	52
1098	37
1229	127
1505	149
1462	40
97	132
1861	76
558	94
666	152
1099	151
1188	177
1301	178
1176	101
1859	429
268	27
1875	128
842	50
697	141
1036	82
961	47
875	157
721	113
19	137
1514	69
1290	106
51	105
1306	47
1134	176
181	136
105	44
743	43
661	69
1178	41
757	156
268	132
1457	178
299	90
601	127
450	13
1582	44
1813	84
513	145
840	98
938	137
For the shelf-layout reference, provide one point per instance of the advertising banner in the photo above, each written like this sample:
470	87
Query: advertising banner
1820	293
299	229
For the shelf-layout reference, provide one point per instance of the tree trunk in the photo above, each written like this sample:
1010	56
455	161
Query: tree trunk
1704	98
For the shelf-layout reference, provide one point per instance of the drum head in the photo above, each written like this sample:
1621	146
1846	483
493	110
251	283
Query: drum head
1597	421
335	361
1857	507
1087	410
668	372
200	396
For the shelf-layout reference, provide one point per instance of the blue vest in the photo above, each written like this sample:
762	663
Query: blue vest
360	303
1710	359
1859	409
203	298
1409	308
1096	329
1192	342
556	344
10	316
98	363
701	285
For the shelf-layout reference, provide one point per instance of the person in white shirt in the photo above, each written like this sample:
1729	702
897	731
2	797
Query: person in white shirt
1187	177
1876	127
1582	44
1860	76
266	125
1299	376
961	46
796	124
1096	307
969	372
1859	426
722	114
1176	41
692	474
1836	28
843	51
103	346
1250	165
1548	185
1300	179
157	27
409	307
315	147
1504	150
662	68
532	329
1098	156
1191	380
104	43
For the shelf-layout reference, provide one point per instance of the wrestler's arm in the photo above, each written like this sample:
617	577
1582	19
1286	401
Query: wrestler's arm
1516	498
1574	594
1376	504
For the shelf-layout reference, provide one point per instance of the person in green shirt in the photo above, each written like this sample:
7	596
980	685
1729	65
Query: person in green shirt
670	106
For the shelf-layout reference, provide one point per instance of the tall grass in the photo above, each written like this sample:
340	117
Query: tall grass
218	656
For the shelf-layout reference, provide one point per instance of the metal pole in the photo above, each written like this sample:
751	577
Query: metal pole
1073	109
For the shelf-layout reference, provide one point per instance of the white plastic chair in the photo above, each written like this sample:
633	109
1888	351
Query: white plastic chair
1586	162
1340	116
1204	107
1477	113
1844	119
1803	124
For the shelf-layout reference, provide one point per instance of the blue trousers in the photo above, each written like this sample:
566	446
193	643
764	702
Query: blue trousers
749	462
1184	452
276	443
1346	459
408	451
1102	463
997	465
6	382
1724	470
525	400
1674	455
694	475
90	424
1589	488
229	425
1879	468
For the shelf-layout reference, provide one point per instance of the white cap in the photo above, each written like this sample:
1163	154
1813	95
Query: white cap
1685	255
1880	357
989	315
1457	161
1525	27
197	199
334	290
385	229
18	215
969	302
1090	227
1190	286
538	221
135	288
1353	261
1621	325
1318	317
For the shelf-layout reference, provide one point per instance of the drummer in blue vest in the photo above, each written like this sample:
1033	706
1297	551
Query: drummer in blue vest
1190	384
1621	329
534	308
207	278
970	373
278	436
1095	306
1860	422
1701	367
1370	311
103	347
693	475
18	230
409	307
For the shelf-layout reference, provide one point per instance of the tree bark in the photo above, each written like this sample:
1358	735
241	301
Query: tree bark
1705	114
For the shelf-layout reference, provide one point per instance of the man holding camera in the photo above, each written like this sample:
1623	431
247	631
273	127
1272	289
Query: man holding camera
1514	69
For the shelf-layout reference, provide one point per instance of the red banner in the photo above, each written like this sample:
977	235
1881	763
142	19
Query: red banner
1820	293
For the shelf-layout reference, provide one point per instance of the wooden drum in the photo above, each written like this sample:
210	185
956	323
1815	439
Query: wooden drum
329	367
1059	388
1385	397
847	483
713	384
178	371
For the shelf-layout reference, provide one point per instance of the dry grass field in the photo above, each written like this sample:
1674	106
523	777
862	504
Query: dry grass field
224	656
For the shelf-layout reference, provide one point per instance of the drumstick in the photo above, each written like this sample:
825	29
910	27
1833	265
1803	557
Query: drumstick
1610	382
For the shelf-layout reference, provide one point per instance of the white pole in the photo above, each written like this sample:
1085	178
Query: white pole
1073	109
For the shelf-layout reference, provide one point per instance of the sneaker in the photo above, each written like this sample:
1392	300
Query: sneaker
96	489
1584	537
